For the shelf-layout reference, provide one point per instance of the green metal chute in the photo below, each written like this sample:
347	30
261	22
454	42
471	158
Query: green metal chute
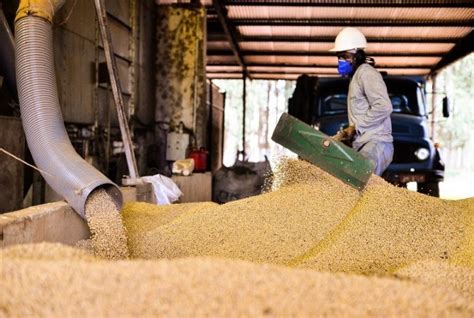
321	150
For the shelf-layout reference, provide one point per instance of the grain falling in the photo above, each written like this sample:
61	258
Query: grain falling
108	234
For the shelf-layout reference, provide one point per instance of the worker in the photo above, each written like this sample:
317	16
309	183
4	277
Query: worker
368	105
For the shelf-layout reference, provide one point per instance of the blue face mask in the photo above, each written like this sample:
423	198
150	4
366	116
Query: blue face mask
344	67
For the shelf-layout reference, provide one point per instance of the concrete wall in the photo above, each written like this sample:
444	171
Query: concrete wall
180	63
87	103
52	222
85	96
56	221
78	51
12	140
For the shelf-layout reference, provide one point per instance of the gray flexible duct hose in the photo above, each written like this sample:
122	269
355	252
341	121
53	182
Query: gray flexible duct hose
66	172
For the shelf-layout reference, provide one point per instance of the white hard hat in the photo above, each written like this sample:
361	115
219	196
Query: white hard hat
349	39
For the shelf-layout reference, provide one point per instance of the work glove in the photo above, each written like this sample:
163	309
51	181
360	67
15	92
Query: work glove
345	135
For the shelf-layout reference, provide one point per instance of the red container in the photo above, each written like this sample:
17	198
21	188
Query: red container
200	159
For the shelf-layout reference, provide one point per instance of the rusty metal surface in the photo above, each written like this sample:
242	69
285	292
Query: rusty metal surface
179	62
106	107
72	17
123	68
75	53
74	59
121	38
119	9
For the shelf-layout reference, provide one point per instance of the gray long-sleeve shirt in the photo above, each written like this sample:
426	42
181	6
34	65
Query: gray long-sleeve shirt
369	107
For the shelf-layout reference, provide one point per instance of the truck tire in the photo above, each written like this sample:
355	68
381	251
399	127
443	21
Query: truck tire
429	188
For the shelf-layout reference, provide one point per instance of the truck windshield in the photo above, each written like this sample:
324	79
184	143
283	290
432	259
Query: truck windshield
404	95
337	104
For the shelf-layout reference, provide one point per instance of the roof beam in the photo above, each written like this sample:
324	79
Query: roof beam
319	39
230	34
354	3
214	63
461	49
320	53
353	22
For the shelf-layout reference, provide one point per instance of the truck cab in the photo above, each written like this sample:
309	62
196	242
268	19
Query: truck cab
416	158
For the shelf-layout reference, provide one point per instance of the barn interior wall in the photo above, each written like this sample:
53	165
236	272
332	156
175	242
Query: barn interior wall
86	100
85	96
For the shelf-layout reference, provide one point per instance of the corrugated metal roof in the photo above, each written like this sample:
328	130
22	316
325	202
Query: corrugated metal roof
290	59
409	47
373	47
218	45
408	37
221	59
293	12
291	70
226	68
392	32
224	75
286	46
406	61
406	71
332	60
165	2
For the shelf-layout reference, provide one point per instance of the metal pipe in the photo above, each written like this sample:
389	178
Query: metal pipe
67	173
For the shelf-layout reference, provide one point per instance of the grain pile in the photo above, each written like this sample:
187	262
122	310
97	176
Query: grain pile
313	220
141	217
389	228
416	254
108	235
200	287
272	228
44	252
443	275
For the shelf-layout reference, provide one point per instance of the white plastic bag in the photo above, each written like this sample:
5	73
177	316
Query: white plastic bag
166	191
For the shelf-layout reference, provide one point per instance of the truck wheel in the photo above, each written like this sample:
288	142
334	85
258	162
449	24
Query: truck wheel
429	188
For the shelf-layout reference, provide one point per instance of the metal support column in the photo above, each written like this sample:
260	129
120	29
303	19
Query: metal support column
244	109
433	107
116	89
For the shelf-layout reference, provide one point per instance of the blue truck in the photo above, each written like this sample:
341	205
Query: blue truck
322	103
